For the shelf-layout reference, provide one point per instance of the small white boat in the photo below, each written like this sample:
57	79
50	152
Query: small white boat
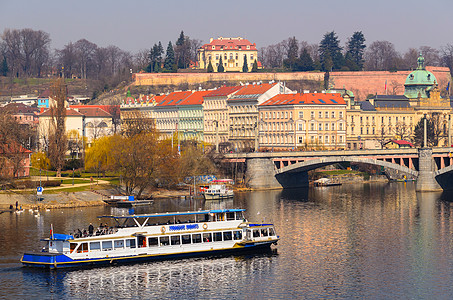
326	182
139	238
219	190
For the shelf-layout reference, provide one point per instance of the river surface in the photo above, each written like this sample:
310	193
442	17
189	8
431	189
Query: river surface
374	241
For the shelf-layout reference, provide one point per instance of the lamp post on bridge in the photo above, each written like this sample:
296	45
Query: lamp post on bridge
425	139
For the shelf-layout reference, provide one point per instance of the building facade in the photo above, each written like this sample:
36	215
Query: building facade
303	122
232	52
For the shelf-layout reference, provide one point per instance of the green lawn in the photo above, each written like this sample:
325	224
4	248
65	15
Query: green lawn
76	181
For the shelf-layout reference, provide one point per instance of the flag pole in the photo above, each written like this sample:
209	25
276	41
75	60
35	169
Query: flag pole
51	231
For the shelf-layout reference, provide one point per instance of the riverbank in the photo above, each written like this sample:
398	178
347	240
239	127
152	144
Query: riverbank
70	199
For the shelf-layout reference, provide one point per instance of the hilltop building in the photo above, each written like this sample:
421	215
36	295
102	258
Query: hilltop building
232	52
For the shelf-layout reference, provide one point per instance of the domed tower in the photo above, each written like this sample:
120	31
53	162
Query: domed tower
420	82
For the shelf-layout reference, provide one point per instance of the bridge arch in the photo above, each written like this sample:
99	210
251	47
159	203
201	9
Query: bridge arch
321	162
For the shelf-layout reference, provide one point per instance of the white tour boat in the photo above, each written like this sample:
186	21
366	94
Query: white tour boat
149	237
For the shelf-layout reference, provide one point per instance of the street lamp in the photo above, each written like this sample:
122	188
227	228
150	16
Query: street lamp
424	132
39	171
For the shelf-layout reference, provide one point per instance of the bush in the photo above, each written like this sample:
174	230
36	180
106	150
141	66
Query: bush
72	163
29	184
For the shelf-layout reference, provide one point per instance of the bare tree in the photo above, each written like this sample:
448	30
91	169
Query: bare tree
381	56
67	58
447	56
431	55
57	134
85	51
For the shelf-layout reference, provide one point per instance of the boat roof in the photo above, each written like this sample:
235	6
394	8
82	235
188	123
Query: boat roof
170	214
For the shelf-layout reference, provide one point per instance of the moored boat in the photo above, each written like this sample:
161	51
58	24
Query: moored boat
155	236
326	182
219	190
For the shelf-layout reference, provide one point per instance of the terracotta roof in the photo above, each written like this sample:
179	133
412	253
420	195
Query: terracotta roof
19	108
174	98
223	91
195	99
304	99
159	98
402	142
94	112
69	112
229	44
13	148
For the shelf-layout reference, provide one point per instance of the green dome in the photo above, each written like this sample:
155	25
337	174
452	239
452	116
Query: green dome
420	81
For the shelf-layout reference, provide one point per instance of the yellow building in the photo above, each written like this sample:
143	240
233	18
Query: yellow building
303	121
381	118
232	52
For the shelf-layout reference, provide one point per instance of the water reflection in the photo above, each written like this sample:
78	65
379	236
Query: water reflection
353	241
188	279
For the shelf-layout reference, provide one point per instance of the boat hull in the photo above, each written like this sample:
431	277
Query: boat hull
57	261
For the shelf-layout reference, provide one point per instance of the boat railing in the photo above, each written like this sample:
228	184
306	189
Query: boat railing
104	230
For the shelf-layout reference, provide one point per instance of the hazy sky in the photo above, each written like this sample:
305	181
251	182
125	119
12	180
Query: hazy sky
136	25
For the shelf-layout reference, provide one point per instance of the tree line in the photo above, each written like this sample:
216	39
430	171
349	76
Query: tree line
355	55
27	53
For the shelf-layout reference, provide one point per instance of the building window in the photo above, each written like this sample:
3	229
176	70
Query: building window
341	139
301	127
251	57
327	114
320	115
231	56
333	126
236	56
326	127
326	139
333	115
301	115
301	140
320	126
340	115
225	56
312	114
312	127
341	126
216	57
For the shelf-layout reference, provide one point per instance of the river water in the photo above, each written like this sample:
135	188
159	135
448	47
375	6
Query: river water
379	241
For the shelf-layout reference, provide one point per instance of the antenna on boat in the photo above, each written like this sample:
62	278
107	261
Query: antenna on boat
51	231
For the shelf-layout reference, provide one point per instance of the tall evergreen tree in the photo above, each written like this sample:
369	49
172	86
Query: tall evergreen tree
180	52
220	68
210	68
169	62
292	55
245	68
254	67
4	67
356	48
330	50
305	62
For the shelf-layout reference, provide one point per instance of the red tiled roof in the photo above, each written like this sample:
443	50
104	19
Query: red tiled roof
94	112
195	99
402	142
13	148
106	108
159	98
229	44
255	89
19	108
223	91
174	98
311	98
69	112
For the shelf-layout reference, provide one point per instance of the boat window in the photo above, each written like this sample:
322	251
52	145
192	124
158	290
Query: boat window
217	236
237	235
95	246
239	215
130	243
227	236
230	216
256	232
119	244
82	248
196	238
264	232
271	231
207	237
153	241
72	246
164	241
175	239
186	239
206	218
106	245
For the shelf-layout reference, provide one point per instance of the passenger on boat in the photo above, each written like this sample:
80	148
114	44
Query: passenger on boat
90	229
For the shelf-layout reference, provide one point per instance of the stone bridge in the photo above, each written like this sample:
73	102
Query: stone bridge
433	168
